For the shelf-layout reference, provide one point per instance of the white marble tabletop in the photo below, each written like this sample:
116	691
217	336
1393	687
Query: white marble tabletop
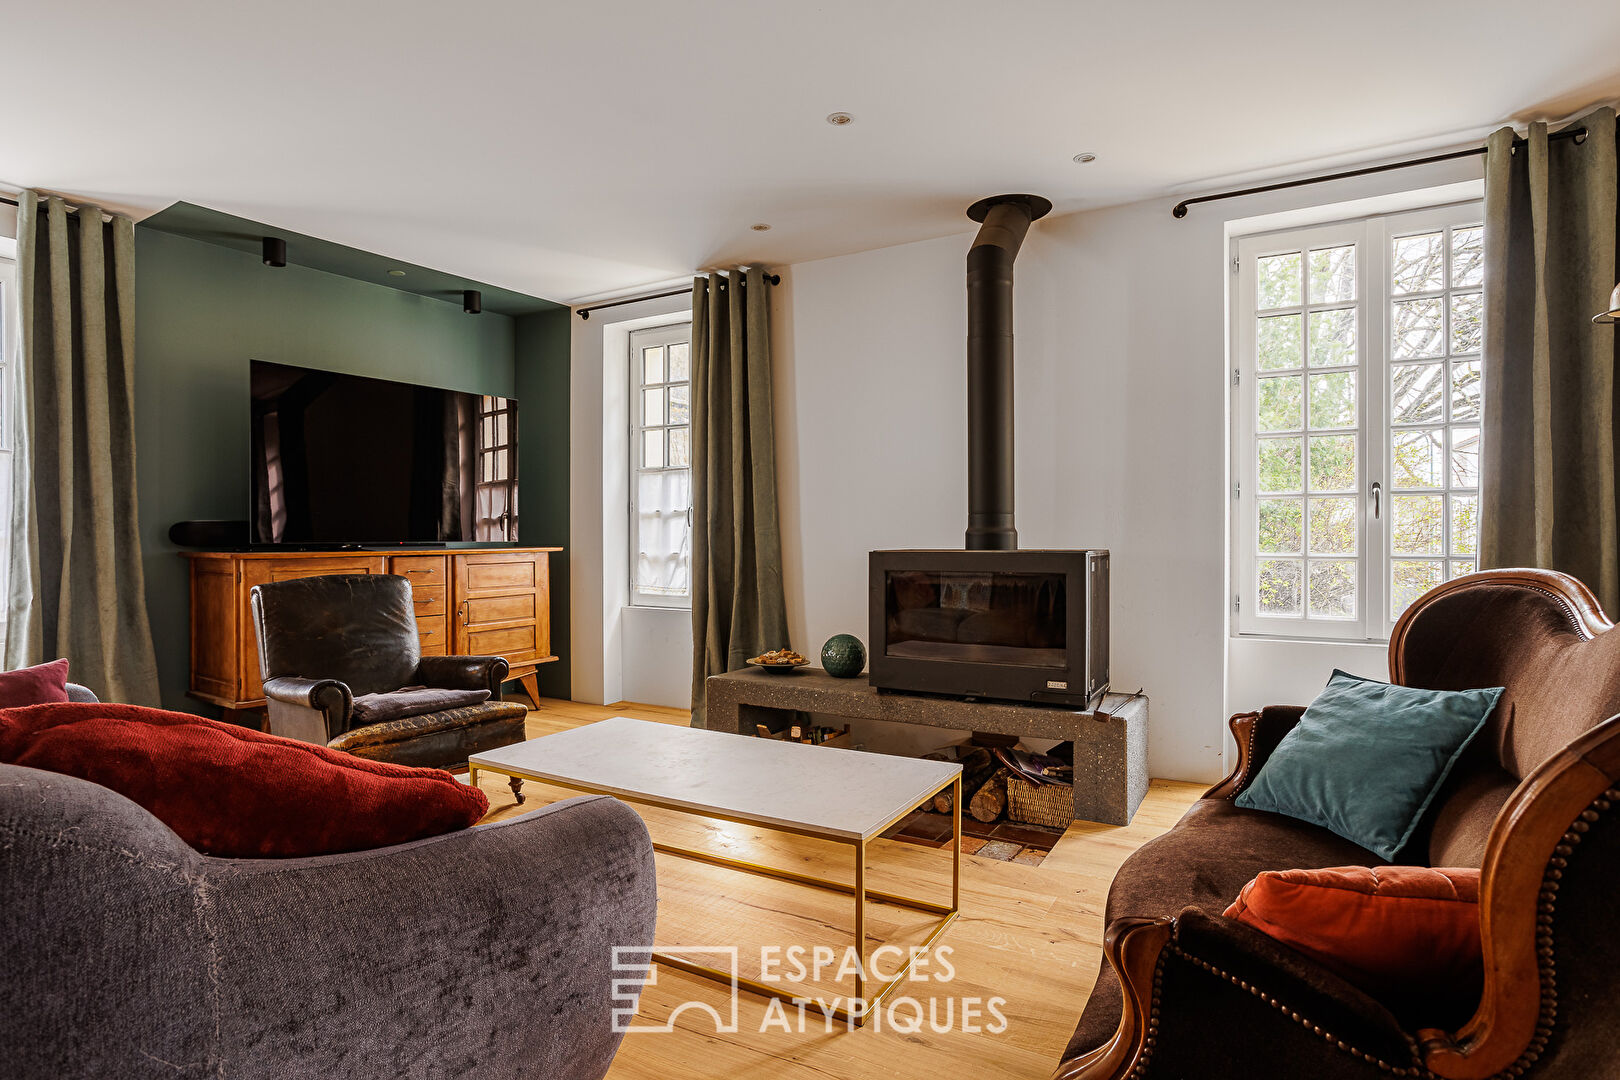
823	790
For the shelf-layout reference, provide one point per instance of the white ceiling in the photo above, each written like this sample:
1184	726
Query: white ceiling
577	150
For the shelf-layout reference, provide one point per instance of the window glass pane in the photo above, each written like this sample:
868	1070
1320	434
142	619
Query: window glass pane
1419	328
663	532
652	364
1465	385
1333	400
1333	275
1281	522
1419	263
1465	524
678	363
1418	525
1467	325
1417	393
652	449
1278	586
1333	526
660	549
1332	589
1280	465
1467	257
1279	399
1277	281
1333	462
1409	580
652	406
1278	342
1333	337
1302	548
1416	460
1465	457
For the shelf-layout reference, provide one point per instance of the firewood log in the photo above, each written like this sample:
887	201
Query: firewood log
990	800
977	765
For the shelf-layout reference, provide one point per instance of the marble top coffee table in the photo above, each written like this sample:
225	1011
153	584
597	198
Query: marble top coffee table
844	796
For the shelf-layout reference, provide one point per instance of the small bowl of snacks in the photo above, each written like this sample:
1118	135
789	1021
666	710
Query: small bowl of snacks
779	661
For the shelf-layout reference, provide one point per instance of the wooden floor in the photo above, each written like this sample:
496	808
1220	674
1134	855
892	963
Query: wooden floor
1029	935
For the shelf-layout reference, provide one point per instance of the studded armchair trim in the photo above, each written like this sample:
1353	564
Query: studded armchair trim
1536	835
1257	735
1135	948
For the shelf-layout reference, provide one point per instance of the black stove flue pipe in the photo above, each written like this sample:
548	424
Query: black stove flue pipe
1004	221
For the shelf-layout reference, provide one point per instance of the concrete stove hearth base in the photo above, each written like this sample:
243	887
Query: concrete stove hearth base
1110	744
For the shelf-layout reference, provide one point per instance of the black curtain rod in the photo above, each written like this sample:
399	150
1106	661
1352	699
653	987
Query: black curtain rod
585	312
13	202
1180	211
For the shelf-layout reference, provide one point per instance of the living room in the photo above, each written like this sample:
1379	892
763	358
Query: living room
677	540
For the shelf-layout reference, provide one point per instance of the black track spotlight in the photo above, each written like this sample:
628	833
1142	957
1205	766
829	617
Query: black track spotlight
472	301
275	251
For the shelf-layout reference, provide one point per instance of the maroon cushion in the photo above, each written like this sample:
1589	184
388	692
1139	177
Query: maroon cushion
36	685
237	793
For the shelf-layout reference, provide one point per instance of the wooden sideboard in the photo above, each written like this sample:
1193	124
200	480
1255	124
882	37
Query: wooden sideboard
469	602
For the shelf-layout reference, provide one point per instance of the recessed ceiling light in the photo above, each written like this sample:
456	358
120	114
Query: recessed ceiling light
761	227
840	119
1085	159
396	273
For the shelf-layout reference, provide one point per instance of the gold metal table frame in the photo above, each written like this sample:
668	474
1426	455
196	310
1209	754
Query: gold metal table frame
861	1005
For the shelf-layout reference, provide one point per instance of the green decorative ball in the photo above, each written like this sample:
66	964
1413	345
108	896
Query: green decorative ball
843	656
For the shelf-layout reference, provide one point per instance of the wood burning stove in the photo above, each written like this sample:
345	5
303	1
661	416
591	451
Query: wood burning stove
992	621
1028	626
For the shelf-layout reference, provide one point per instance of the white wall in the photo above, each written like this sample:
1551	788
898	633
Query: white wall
871	422
1122	439
620	653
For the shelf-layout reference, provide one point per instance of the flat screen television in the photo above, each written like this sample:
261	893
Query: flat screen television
344	459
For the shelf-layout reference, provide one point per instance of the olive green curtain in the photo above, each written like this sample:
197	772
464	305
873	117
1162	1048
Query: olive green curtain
76	587
1549	496
738	608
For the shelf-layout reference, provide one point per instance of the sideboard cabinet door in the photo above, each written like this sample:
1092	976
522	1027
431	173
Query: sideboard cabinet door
503	606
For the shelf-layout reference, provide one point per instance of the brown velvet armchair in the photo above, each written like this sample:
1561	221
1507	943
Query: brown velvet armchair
1187	993
325	640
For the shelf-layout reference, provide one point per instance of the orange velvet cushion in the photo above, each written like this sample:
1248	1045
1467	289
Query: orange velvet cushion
1392	931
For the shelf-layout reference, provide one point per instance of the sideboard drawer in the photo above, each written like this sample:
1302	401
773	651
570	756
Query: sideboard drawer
419	570
429	600
433	630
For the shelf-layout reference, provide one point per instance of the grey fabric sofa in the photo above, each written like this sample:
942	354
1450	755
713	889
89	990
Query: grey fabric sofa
484	952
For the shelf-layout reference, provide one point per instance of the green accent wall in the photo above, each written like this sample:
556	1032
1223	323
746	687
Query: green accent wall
204	310
541	362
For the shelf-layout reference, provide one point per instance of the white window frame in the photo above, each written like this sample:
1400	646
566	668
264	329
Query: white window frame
1372	237
649	337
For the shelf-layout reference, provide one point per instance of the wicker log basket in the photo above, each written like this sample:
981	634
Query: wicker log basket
1051	805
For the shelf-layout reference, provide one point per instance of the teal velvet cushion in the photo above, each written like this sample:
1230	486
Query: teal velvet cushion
1367	758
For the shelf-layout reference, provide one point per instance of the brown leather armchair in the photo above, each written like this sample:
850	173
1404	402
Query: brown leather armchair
1535	803
324	640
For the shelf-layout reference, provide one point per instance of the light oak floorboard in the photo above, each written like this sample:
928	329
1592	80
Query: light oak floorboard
1029	935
